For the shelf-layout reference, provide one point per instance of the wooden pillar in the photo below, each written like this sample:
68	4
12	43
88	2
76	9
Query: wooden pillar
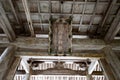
6	53
106	69
11	72
6	60
113	60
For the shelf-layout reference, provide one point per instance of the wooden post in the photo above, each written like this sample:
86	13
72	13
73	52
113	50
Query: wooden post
11	72
113	60
6	60
6	53
107	69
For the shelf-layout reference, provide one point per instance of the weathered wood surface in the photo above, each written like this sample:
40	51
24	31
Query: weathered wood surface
107	69
77	44
6	61
12	70
55	72
5	24
113	60
60	36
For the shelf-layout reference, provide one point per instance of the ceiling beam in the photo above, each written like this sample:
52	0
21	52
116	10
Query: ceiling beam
5	24
14	10
114	28
77	1
92	17
43	43
27	12
111	4
83	12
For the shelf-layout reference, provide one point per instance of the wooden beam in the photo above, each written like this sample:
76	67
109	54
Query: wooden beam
114	28
43	44
111	4
6	31
107	69
27	12
92	17
44	72
113	60
80	55
11	72
6	61
14	11
5	24
6	53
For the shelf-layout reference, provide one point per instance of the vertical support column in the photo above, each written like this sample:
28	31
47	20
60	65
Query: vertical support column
11	72
113	60
6	53
6	60
106	69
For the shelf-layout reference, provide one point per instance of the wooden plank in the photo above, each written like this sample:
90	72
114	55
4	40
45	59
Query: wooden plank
13	68
107	69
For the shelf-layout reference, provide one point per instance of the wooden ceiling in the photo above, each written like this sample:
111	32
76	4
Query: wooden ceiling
93	18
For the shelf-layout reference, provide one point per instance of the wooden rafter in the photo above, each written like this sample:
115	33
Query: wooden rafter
5	24
27	12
